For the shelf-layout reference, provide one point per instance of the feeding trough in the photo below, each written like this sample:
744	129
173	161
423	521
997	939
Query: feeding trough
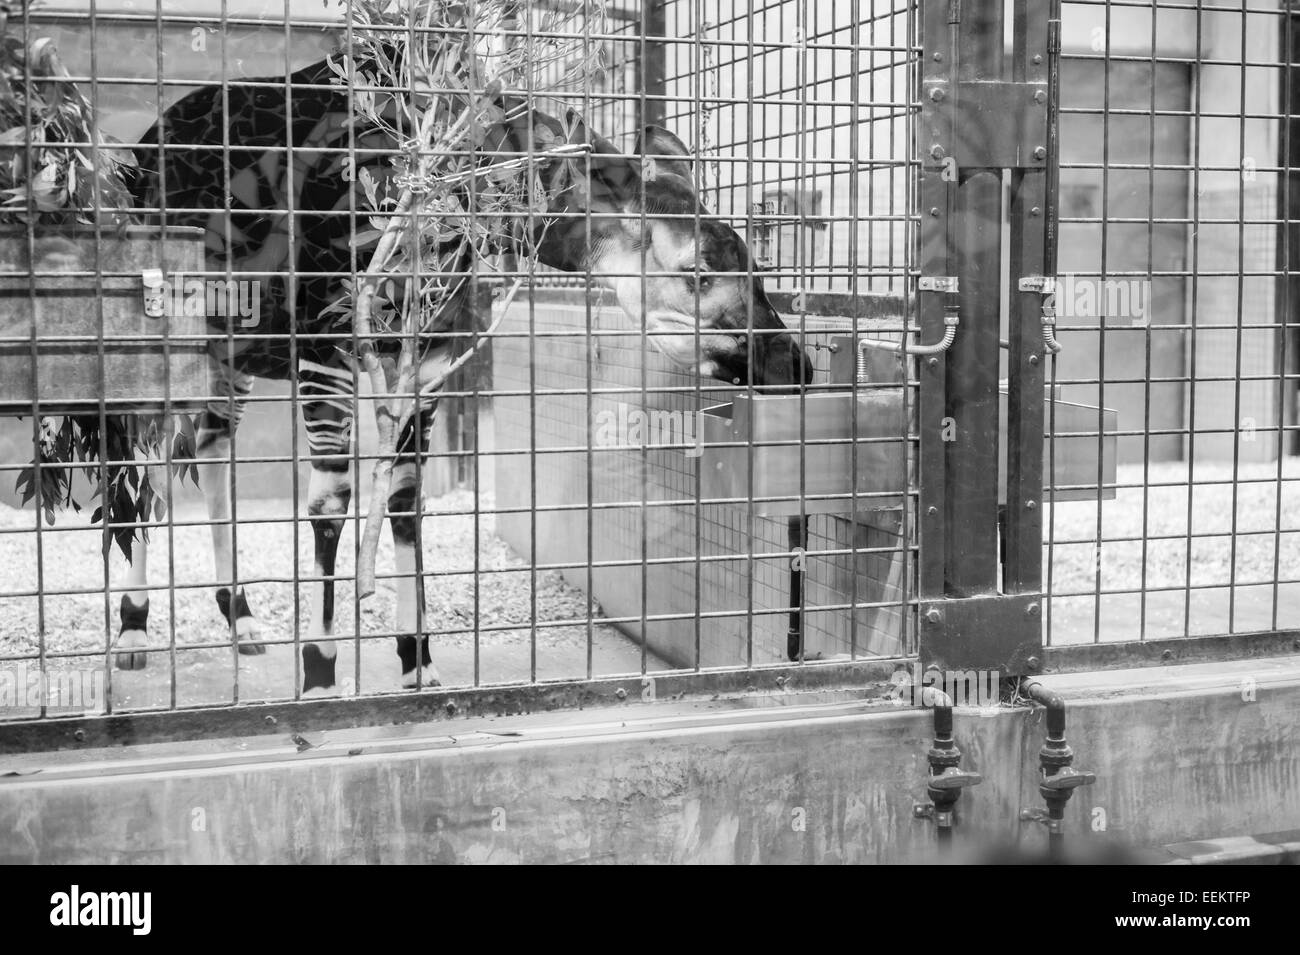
127	327
770	448
777	449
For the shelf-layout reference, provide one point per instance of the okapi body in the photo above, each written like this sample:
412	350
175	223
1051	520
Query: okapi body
685	277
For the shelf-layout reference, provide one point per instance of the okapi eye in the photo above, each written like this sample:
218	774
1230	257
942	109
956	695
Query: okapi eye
699	283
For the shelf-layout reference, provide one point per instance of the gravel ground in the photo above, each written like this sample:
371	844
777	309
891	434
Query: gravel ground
1237	570
75	623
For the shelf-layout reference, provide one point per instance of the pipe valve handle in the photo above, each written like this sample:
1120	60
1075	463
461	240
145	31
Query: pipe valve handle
1068	778
954	778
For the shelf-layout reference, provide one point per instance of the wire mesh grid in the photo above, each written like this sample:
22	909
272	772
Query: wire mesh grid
567	523
1176	312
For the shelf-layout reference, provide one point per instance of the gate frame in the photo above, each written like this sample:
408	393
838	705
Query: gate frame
980	582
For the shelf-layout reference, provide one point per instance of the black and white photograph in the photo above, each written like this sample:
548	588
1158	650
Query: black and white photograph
650	432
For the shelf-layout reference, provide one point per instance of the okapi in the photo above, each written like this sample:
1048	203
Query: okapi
683	274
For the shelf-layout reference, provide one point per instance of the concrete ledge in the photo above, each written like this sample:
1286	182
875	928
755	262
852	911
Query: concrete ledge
1183	759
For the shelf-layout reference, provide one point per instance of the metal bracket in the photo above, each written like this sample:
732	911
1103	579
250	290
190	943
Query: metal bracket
1000	632
984	124
937	283
153	293
1043	284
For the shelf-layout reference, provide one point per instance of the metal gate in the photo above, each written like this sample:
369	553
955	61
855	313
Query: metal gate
935	198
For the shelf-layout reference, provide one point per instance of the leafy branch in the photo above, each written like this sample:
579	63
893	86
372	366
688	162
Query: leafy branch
433	76
57	170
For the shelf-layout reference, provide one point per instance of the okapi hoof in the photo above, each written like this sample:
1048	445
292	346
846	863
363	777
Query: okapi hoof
246	626
429	677
133	635
128	658
247	631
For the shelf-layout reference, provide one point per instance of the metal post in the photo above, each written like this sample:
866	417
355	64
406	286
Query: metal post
1288	239
978	122
653	108
1033	209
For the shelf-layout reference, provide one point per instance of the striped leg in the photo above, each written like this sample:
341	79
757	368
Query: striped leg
403	503
132	634
215	428
327	410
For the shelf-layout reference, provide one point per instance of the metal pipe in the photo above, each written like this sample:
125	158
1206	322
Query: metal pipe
947	779
1049	324
797	534
1058	778
950	321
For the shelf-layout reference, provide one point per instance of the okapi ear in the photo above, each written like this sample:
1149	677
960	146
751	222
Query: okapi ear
657	147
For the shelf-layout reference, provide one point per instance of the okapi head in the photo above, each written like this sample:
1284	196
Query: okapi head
683	273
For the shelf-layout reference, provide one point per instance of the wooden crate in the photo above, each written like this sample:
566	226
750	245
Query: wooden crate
52	325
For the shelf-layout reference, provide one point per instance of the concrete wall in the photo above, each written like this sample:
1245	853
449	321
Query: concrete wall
1180	756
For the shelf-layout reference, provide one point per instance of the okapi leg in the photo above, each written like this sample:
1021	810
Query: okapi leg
132	635
214	445
329	497
403	502
327	412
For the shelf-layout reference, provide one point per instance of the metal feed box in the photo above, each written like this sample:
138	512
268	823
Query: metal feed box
765	431
816	458
50	324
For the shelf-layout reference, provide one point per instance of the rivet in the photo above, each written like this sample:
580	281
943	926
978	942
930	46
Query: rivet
270	721
1040	152
1031	504
1038	58
450	708
1035	211
934	211
1032	663
620	693
79	736
936	151
1033	359
1032	610
933	362
1040	96
938	58
934	616
932	511
1167	655
936	94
